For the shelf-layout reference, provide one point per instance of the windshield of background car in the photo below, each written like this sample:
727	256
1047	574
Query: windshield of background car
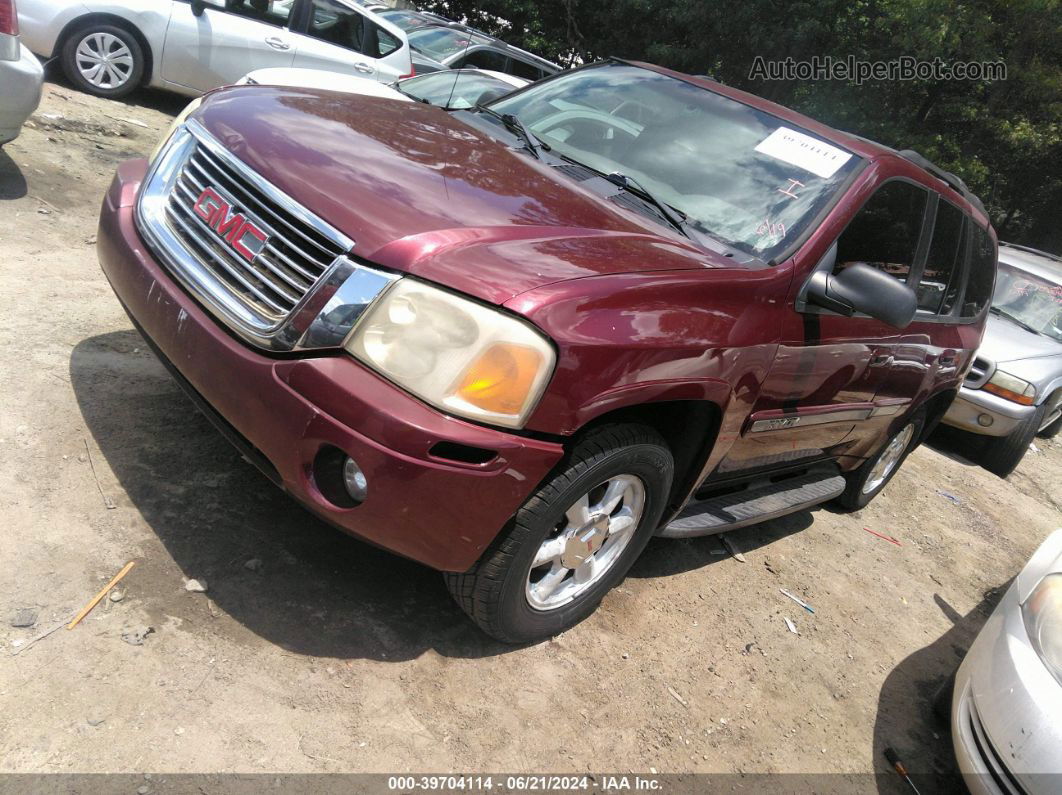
453	89
737	173
403	19
441	43
1034	301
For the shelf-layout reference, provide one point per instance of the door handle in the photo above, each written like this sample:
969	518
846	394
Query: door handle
277	43
882	360
364	68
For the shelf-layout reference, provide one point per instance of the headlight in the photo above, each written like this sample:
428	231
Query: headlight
1042	613
458	355
1011	388
177	122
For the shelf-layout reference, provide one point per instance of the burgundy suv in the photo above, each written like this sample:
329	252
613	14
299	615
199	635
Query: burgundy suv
514	343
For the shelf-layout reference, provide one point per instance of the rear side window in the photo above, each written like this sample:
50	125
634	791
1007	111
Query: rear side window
483	59
982	273
337	24
939	285
884	233
523	69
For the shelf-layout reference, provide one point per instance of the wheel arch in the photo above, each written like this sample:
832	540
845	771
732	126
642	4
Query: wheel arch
936	406
100	18
690	428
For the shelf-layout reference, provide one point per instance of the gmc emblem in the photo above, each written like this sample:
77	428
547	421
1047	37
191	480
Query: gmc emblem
241	234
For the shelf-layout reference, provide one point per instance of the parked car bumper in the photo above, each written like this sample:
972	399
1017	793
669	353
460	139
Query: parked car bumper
286	414
1007	707
20	94
974	407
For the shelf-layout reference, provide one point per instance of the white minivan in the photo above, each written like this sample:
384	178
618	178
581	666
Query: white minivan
191	46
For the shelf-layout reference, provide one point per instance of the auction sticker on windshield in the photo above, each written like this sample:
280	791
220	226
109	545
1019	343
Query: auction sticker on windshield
804	152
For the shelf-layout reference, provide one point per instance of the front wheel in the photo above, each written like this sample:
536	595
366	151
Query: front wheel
573	540
1001	455
867	482
104	60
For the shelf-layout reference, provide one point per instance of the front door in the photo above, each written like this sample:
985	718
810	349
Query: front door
833	382
226	41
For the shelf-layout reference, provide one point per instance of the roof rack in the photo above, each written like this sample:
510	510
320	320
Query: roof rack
1030	250
950	179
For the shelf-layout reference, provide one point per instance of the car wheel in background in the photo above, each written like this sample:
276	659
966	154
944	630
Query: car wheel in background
1052	430
867	482
1002	455
573	540
104	60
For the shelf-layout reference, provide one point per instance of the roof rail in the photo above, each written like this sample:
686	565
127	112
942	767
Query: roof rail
1030	250
950	179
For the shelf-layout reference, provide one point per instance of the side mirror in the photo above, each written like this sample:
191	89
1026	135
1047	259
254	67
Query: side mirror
198	7
862	288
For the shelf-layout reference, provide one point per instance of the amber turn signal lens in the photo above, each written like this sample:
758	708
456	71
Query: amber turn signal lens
1025	400
501	379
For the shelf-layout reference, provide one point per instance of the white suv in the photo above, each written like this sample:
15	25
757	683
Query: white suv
192	46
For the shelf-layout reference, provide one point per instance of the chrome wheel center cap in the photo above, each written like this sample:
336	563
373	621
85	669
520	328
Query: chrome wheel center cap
583	543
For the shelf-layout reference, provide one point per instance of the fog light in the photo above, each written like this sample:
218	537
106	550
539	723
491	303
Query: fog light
355	481
984	420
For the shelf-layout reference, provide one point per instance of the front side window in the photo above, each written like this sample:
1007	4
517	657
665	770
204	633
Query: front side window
884	233
523	69
337	24
939	284
736	173
452	89
1029	300
982	273
482	59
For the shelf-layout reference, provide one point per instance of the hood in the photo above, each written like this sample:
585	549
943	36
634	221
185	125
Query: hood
1005	341
421	192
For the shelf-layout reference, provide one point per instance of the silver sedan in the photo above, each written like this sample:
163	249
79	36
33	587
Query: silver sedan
1006	713
20	77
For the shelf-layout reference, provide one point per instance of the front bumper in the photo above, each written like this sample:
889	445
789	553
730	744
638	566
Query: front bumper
286	411
21	93
970	404
1007	709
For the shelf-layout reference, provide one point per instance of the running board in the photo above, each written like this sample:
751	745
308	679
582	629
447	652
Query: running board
752	505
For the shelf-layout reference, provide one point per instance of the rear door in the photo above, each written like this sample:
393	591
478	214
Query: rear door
340	36
228	40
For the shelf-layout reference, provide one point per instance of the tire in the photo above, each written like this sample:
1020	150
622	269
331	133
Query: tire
122	74
1002	455
864	483
497	593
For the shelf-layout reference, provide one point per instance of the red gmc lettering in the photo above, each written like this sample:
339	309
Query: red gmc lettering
234	228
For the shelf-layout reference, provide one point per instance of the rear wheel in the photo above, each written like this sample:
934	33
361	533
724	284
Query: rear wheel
573	540
1001	455
104	60
867	482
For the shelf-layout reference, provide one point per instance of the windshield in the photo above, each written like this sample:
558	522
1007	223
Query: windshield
1034	301
454	89
405	20
737	173
441	43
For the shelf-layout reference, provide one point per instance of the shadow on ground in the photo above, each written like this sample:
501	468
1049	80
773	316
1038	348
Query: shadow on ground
906	719
318	592
12	180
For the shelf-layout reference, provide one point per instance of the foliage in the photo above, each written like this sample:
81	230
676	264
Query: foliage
1004	138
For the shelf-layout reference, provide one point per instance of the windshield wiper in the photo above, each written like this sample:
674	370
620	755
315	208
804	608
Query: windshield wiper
995	310
631	184
514	123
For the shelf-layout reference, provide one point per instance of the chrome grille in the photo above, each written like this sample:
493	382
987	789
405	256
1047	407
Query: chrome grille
979	373
293	259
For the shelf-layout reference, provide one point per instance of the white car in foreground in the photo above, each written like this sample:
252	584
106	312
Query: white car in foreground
109	47
1006	712
452	89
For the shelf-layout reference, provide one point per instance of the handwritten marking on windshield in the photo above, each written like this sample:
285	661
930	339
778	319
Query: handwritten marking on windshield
788	189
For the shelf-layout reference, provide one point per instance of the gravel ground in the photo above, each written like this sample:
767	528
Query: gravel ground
310	651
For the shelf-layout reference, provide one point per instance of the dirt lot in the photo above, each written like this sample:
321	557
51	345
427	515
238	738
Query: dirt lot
327	655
